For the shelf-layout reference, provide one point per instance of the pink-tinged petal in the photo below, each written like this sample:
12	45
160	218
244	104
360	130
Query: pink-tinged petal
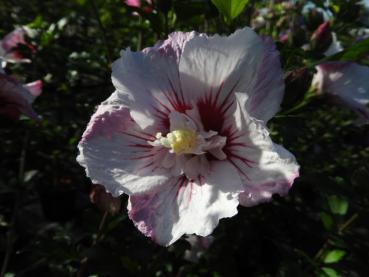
181	207
35	88
267	94
15	99
12	39
9	44
213	68
261	164
346	82
115	152
280	172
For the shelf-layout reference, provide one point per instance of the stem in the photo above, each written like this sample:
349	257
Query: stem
10	236
139	37
101	226
348	223
341	228
83	264
102	30
166	25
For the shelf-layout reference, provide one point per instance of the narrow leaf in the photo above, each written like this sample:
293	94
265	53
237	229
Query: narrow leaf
334	256
338	205
330	272
230	9
353	53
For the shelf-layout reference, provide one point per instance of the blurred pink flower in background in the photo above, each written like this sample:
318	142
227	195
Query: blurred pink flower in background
346	82
9	44
16	99
137	4
184	134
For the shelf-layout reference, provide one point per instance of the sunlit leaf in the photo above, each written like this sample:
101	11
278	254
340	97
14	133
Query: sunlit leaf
334	256
230	9
327	220
338	205
353	53
330	272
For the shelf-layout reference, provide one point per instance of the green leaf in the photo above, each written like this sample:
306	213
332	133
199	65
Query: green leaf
36	23
338	205
330	272
130	264
81	2
327	220
230	9
334	256
353	53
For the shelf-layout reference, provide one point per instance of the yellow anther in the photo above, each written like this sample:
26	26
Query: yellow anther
180	141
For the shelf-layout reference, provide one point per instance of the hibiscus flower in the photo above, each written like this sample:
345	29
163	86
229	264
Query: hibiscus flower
184	133
345	82
16	99
9	44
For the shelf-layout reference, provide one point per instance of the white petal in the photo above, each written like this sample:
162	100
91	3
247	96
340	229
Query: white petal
149	81
267	94
180	121
347	82
197	167
216	66
169	160
275	174
186	208
335	46
116	154
174	44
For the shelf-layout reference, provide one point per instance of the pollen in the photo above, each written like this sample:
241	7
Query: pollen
180	141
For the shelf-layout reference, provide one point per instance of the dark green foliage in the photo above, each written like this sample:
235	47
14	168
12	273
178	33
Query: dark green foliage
48	227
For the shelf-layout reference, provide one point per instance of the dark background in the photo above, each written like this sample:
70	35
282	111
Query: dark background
49	227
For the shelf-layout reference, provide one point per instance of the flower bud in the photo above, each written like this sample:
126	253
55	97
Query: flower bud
321	39
104	200
297	83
